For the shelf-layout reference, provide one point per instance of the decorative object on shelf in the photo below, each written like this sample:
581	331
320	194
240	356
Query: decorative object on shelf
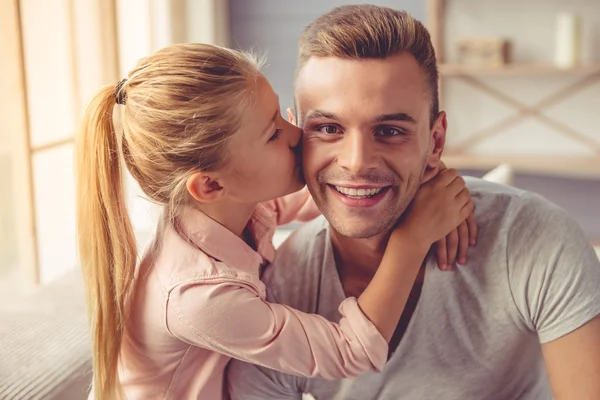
484	52
568	38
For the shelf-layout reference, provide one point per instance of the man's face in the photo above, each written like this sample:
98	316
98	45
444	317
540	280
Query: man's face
368	143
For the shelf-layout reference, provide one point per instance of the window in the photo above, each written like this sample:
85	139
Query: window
56	54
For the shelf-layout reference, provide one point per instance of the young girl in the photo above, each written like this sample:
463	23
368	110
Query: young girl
203	136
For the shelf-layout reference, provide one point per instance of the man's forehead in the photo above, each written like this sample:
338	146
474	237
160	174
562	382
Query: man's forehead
402	64
389	85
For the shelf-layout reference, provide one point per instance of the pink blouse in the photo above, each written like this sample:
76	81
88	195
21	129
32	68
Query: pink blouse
199	302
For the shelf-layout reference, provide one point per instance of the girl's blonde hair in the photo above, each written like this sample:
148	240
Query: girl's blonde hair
182	105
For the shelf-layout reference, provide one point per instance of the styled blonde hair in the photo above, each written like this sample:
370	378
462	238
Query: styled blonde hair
182	105
366	32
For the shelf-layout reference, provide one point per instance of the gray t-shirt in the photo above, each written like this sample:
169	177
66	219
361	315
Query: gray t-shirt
476	332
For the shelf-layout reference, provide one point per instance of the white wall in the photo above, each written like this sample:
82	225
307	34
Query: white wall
207	21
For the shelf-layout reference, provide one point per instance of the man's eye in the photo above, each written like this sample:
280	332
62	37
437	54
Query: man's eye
328	129
388	131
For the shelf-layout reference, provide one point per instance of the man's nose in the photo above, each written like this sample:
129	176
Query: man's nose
357	154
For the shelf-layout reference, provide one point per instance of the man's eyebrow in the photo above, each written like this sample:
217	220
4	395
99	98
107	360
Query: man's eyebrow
396	117
316	114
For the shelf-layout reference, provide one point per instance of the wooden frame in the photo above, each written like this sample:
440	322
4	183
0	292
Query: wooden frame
459	157
13	108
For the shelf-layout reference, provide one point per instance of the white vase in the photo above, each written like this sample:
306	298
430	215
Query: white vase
568	38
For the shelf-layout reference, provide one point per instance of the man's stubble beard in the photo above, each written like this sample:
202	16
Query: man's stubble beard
396	211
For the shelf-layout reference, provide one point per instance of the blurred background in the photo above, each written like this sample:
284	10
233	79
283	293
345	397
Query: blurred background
520	80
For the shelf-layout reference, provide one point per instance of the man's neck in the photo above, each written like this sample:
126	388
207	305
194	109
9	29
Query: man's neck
357	260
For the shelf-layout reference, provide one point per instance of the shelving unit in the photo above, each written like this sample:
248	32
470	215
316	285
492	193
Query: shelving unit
520	69
576	167
461	154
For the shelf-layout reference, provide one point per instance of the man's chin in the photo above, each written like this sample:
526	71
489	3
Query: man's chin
359	228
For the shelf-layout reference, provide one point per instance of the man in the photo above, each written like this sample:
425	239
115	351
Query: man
521	322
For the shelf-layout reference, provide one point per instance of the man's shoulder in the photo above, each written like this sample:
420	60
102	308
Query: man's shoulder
484	191
522	226
501	206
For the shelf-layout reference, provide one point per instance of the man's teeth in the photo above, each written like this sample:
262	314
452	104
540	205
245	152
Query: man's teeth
359	193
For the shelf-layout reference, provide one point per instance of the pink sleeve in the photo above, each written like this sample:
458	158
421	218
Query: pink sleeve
298	206
231	318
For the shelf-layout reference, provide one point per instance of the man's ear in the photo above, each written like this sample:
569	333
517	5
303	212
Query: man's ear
291	116
437	143
204	187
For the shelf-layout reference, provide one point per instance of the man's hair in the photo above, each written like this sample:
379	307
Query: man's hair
368	31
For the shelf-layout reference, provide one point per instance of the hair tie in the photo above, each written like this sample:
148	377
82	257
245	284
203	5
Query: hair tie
120	94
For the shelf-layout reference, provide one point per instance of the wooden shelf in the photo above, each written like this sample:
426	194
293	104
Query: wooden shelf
566	166
518	69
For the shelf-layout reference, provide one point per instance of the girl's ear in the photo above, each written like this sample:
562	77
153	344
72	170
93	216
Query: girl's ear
204	187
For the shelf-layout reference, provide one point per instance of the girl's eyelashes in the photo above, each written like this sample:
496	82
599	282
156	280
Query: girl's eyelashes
275	135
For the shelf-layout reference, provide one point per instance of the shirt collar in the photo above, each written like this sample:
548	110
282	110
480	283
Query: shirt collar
223	245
